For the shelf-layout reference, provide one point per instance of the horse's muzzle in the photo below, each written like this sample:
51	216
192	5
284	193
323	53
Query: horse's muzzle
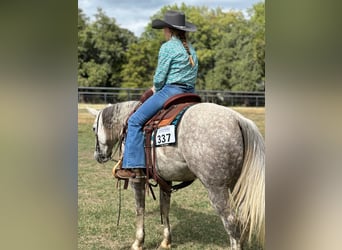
100	158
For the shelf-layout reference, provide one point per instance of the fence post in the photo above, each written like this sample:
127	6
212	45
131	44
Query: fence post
257	101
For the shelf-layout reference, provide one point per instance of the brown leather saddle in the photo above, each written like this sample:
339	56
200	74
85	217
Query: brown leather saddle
172	109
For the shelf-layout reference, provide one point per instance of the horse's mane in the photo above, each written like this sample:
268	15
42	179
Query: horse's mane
117	113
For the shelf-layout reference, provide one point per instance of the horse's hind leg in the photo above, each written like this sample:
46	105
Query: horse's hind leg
219	200
138	186
164	210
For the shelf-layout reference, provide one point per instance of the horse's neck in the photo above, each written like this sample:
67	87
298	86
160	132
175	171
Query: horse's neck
123	110
120	113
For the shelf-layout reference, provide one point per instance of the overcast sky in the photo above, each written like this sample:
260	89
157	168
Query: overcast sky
134	15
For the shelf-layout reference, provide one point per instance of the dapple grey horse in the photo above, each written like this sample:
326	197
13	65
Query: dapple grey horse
216	145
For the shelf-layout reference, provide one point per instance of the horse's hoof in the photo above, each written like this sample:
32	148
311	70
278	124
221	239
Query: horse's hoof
165	246
136	248
133	247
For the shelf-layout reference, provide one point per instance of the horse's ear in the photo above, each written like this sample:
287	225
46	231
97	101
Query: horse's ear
92	111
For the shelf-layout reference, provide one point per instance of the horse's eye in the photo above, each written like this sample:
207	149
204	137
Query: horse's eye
94	129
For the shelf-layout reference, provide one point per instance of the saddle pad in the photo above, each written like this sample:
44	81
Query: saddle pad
166	116
165	129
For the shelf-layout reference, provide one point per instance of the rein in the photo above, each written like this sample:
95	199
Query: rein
116	148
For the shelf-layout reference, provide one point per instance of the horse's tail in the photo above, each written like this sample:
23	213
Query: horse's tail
249	192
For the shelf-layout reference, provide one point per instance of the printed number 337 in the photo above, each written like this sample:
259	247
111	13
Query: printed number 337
163	138
166	135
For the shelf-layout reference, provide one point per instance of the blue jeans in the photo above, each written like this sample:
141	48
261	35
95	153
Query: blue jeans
134	153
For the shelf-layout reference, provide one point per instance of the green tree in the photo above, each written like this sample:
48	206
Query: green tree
102	51
218	54
239	57
142	61
257	22
83	40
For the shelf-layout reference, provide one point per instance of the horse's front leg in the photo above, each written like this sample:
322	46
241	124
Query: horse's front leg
164	209
138	186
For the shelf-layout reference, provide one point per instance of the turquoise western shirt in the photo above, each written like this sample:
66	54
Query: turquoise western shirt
174	65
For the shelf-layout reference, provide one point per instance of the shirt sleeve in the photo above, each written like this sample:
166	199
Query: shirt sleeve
164	62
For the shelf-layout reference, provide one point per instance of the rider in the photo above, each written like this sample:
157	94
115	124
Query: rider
176	73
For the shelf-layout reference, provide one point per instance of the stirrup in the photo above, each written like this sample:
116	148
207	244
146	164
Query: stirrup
124	174
117	166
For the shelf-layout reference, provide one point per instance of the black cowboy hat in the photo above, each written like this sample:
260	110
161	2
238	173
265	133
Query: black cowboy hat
174	19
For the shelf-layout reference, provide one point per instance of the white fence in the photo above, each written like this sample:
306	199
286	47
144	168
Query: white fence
227	98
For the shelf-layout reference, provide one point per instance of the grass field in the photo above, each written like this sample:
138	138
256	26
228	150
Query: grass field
194	223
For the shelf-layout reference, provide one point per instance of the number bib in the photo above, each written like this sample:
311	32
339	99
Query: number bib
165	135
